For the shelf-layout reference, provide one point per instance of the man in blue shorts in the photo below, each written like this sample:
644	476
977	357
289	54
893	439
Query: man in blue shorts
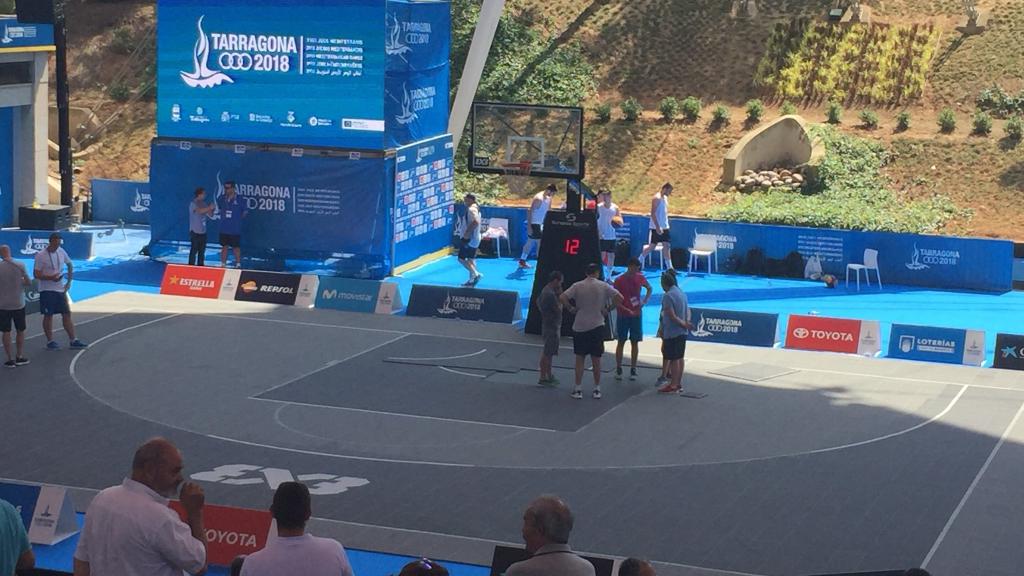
629	324
53	291
232	210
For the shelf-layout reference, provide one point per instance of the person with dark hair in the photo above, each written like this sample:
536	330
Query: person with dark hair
675	325
636	567
129	529
547	523
470	240
607	216
15	551
659	225
294	551
535	214
423	567
53	291
13	281
232	209
629	322
590	300
550	326
197	214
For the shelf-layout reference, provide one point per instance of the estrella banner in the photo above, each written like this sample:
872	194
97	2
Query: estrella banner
825	334
734	327
424	198
230	531
14	34
934	344
6	167
26	243
195	281
297	205
126	200
464	304
358	295
1009	351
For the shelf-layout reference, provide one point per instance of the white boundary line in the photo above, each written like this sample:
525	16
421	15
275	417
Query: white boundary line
454	371
89	321
970	489
470	355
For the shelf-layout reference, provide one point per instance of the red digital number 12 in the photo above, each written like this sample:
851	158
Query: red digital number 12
572	246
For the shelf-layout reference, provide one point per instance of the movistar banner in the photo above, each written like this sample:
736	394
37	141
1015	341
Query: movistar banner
734	327
114	200
933	344
424	198
905	259
26	243
296	205
6	168
358	295
14	34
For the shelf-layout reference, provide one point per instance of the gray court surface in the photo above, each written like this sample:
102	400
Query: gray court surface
416	442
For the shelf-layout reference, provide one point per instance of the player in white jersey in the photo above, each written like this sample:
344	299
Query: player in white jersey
659	225
535	221
608	219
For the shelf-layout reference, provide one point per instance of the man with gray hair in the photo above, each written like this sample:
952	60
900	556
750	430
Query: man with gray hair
547	523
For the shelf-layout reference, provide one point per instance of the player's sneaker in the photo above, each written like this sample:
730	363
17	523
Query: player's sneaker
78	344
618	372
10	363
52	345
632	374
669	389
21	360
476	279
597	394
577	394
661	381
524	264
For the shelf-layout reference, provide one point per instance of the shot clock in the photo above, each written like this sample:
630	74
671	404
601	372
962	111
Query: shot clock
568	244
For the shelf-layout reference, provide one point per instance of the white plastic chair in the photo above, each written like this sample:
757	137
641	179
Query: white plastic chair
704	246
660	249
496	230
870	263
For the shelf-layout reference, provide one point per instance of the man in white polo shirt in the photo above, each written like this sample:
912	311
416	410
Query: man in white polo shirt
130	531
294	551
53	291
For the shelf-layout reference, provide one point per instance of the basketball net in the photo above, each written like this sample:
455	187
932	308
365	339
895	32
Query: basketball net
517	176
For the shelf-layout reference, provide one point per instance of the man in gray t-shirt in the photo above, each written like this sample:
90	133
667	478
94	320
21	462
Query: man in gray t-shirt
590	300
550	326
13	281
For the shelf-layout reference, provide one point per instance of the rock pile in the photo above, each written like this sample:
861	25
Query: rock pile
765	179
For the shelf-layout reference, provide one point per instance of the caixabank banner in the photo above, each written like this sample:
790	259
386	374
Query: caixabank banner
733	327
935	344
1009	351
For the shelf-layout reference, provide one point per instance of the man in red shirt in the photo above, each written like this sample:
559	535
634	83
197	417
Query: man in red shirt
629	320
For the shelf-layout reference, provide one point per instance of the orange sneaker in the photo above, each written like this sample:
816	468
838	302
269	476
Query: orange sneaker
669	389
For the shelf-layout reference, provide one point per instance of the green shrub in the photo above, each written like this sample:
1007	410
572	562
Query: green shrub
834	112
903	121
720	116
947	121
1014	128
603	112
869	119
999	103
787	109
982	124
669	108
119	92
755	111
631	109
122	41
691	108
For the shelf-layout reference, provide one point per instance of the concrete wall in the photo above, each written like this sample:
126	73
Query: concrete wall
783	142
29	140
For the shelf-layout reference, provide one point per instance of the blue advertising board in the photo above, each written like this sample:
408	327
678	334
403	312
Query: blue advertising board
14	34
933	344
125	200
734	327
26	243
6	167
464	304
23	497
296	205
424	198
303	71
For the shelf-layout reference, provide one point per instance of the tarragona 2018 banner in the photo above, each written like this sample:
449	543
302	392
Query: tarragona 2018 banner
367	74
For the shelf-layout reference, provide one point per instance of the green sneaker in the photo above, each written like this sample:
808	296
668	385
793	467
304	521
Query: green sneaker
547	383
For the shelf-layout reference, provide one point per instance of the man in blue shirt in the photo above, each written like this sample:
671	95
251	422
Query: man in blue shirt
232	210
15	551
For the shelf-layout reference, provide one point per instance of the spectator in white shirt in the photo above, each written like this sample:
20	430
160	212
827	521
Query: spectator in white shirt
53	291
130	531
294	551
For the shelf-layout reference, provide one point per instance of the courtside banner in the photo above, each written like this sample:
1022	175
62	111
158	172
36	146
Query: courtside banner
231	531
733	327
832	335
464	304
268	287
1009	351
358	295
23	497
27	243
197	281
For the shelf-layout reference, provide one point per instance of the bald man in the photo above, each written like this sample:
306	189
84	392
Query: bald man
547	524
13	281
130	531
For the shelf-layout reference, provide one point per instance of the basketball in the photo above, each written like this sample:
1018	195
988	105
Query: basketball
617	221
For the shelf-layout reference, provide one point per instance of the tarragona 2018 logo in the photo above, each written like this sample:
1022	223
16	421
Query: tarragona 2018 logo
237	52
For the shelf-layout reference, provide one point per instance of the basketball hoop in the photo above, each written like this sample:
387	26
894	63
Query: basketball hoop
517	176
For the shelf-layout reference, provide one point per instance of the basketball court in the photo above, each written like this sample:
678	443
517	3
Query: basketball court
418	443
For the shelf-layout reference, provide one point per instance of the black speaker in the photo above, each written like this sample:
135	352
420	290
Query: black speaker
35	11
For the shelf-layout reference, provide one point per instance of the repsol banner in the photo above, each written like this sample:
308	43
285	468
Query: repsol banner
268	287
833	335
733	327
907	259
1009	351
295	204
464	304
933	344
358	295
231	531
125	200
27	243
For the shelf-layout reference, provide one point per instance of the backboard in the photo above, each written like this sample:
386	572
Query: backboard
549	137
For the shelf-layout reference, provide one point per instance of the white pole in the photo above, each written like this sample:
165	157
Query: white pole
479	48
